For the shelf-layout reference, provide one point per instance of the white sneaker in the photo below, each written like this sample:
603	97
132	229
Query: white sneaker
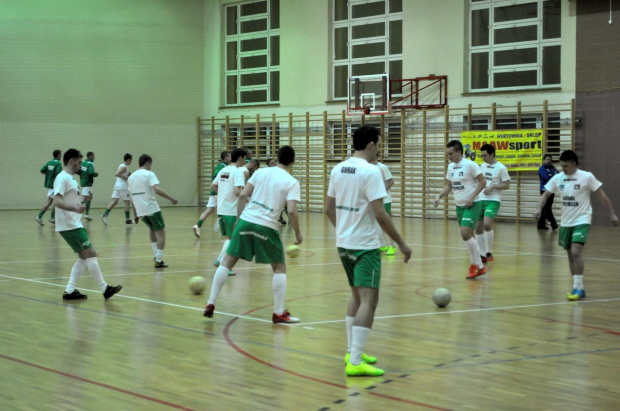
52	220
196	230
216	226
104	219
86	216
38	220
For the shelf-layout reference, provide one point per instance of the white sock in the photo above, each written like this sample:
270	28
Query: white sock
220	258
490	236
159	255
154	245
95	271
360	335
76	272
578	281
481	240
278	286
474	252
349	332
219	279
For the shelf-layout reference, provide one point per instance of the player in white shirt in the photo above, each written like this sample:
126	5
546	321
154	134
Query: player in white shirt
575	186
355	207
143	185
256	234
249	168
69	210
120	190
465	179
389	247
498	179
228	184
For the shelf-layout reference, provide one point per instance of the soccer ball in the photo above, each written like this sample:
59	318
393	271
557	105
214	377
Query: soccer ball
442	297
197	285
292	251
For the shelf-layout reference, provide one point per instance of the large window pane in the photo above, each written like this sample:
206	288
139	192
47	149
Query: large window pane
551	65
396	37
552	19
231	89
368	9
396	72
231	55
516	34
480	27
254	79
274	15
253	26
231	21
254	44
340	81
275	51
518	12
480	70
341	11
516	79
255	96
396	6
368	30
250	9
366	69
253	62
274	86
368	50
341	46
517	56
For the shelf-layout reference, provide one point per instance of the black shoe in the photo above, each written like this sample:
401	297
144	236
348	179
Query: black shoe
75	295
128	222
160	264
281	221
554	226
110	290
542	228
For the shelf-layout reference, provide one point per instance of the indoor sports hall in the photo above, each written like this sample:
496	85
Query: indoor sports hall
185	80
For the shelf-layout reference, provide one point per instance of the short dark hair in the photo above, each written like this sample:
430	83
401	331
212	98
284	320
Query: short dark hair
127	156
255	162
223	154
489	149
56	153
269	160
548	155
70	154
286	155
144	158
365	135
236	153
90	154
569	155
456	145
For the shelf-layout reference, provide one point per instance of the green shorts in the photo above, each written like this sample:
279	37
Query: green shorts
250	240
576	234
154	221
363	267
388	208
227	224
490	208
468	217
77	239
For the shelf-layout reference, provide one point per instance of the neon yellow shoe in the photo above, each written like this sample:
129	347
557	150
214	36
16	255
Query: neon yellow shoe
391	250
363	370
366	358
383	249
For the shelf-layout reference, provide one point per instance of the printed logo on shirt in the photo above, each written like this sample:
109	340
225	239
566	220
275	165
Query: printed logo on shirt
577	186
561	187
460	174
224	176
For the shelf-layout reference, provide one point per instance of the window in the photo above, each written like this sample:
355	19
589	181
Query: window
252	48
514	45
367	39
266	145
340	144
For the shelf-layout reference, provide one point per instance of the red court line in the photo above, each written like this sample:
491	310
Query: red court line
99	384
252	357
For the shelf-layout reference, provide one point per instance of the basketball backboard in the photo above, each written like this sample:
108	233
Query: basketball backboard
368	95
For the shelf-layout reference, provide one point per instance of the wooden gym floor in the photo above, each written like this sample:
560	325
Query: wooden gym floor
509	340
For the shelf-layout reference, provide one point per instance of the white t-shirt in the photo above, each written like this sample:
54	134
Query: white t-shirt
66	186
273	187
140	186
354	183
463	177
120	183
494	174
226	180
387	175
575	191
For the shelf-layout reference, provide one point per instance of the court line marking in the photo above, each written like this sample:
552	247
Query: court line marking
139	299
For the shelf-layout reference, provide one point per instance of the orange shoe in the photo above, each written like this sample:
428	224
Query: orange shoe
209	310
481	271
473	270
490	257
